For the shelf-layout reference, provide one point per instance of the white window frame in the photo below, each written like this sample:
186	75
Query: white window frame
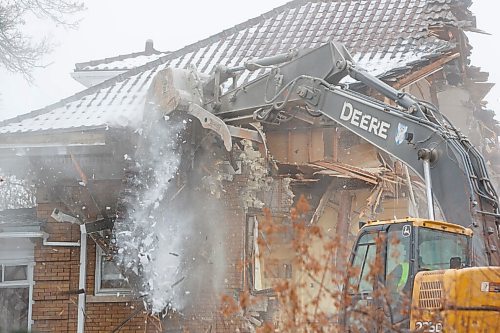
29	282
98	291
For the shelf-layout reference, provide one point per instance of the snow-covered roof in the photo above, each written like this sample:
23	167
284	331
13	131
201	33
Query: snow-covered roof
387	37
122	62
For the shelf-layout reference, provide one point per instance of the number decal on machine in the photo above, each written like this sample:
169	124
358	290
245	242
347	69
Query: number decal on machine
428	326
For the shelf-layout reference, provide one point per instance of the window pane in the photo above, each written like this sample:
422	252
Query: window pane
16	273
111	278
357	264
398	270
437	248
14	303
398	258
363	261
366	283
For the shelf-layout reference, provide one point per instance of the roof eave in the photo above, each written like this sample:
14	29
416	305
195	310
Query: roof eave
91	78
57	143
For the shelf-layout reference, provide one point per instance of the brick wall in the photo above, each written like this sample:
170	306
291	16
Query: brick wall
205	315
106	317
56	275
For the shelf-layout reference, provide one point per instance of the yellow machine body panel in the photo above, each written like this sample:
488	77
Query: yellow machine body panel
456	300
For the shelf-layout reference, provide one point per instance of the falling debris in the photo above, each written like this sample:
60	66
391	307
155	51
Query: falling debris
148	232
163	220
215	209
258	178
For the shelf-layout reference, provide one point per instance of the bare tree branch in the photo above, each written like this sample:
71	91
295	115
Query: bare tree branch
19	53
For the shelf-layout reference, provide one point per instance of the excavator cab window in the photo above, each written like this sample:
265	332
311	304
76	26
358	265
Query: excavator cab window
441	250
361	281
397	268
398	272
381	266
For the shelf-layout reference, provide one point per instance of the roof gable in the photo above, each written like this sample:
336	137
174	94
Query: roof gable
383	35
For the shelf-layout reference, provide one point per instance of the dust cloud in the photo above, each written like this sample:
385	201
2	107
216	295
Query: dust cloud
171	235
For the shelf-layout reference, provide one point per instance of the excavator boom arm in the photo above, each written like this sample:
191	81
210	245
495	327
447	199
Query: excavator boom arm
412	133
411	139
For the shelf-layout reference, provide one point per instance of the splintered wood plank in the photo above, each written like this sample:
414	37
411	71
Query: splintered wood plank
322	202
425	71
350	171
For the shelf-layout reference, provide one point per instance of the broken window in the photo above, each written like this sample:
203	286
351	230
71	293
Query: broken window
269	254
108	278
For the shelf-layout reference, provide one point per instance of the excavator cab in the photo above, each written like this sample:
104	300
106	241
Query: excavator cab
386	257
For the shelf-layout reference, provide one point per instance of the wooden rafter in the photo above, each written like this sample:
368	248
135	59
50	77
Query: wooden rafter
349	170
322	202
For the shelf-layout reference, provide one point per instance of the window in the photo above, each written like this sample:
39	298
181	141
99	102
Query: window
268	264
15	290
364	260
398	270
398	257
437	249
14	273
108	278
16	283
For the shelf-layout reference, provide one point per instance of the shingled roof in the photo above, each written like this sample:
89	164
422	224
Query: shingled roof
122	61
388	37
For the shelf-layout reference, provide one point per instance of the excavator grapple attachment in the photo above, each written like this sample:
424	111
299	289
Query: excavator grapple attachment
180	91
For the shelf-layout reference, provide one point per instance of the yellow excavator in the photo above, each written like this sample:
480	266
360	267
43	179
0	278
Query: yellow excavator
424	279
430	276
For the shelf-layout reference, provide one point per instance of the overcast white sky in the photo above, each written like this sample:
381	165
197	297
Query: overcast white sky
485	47
112	27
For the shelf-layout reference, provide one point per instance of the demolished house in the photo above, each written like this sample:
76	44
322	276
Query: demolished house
145	225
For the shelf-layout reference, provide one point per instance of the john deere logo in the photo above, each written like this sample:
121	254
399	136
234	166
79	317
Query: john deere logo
401	133
406	230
